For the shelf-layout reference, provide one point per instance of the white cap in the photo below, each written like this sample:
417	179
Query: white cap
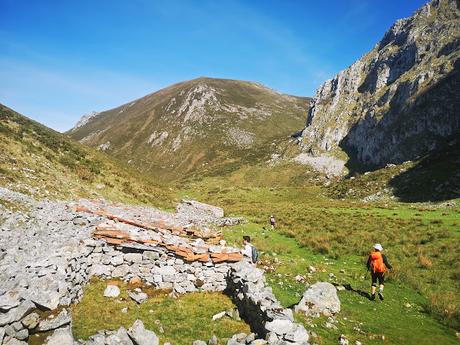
378	246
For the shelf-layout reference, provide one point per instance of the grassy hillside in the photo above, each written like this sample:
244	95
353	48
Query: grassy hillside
196	126
38	161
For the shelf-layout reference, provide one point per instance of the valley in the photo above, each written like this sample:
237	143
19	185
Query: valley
128	228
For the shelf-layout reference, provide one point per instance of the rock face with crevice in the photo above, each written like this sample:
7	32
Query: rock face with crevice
400	100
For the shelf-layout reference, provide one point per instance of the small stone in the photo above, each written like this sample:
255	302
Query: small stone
23	334
138	297
124	310
133	257
218	316
343	340
31	321
199	342
213	340
111	291
135	280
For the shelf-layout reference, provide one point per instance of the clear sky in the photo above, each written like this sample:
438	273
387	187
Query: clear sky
61	59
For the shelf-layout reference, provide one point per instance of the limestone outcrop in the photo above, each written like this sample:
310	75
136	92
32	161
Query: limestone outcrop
400	100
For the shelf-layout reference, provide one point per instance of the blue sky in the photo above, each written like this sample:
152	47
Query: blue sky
61	59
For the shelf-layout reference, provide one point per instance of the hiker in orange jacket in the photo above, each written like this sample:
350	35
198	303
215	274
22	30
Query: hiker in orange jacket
377	263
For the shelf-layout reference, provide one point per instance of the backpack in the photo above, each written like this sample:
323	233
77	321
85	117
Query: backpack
254	255
377	264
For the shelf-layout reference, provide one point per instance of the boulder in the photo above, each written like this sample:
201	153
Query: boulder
63	318
61	336
320	298
141	336
112	291
119	338
17	313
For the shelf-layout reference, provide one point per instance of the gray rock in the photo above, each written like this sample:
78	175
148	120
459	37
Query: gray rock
63	318
117	260
320	298
213	340
142	336
23	334
80	220
31	320
138	297
120	338
99	270
17	313
122	334
120	271
199	342
133	257
279	326
259	342
10	299
14	341
112	291
298	335
17	326
61	336
2	334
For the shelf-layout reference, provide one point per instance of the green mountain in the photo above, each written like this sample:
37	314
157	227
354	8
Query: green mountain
399	101
204	126
41	162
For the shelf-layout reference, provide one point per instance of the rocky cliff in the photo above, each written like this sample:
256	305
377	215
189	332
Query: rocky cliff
397	102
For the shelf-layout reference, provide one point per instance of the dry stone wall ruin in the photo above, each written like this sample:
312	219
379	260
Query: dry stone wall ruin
48	254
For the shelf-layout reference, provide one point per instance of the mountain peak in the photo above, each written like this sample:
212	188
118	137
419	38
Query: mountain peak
193	124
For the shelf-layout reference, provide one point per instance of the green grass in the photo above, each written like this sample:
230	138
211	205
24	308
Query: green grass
421	240
359	319
178	321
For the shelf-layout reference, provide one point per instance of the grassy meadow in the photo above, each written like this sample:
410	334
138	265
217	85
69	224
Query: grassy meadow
422	241
179	321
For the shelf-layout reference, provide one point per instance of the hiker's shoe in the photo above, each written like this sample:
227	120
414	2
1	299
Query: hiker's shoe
372	298
381	296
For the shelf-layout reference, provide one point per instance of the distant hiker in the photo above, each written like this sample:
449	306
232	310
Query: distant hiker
272	222
377	263
249	250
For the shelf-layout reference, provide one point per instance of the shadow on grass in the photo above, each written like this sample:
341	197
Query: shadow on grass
362	293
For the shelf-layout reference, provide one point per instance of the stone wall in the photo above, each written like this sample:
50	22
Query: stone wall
157	267
259	307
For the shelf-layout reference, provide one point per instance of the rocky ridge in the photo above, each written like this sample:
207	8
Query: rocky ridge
397	102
